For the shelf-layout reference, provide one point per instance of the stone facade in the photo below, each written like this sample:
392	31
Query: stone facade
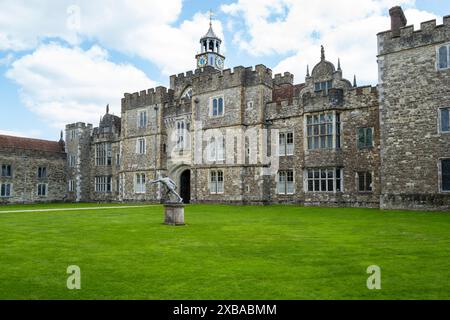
412	90
246	136
32	170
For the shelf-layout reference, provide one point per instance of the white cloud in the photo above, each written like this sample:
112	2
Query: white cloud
25	134
7	59
64	85
141	27
296	28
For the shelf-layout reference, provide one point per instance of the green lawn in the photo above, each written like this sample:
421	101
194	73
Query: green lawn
225	252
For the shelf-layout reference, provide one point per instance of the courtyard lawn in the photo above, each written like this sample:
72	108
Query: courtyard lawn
225	252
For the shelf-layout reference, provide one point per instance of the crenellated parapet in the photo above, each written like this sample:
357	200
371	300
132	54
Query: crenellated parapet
158	95
286	78
406	37
339	98
79	125
210	80
178	83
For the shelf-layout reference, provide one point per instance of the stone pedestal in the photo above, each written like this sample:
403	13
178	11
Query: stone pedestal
174	214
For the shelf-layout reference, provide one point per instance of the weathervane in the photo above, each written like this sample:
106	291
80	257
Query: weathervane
211	13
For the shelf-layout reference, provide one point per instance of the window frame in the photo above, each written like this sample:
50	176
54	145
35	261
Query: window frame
365	146
39	190
216	186
181	132
319	180
71	185
211	106
438	56
323	86
140	179
314	139
368	188
286	149
42	172
6	166
441	176
140	150
286	191
72	160
440	120
10	195
103	154
142	122
103	184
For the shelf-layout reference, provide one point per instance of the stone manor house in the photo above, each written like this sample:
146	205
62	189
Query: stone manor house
246	136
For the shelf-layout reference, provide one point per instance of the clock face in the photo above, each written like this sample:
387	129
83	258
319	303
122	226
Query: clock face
219	62
201	61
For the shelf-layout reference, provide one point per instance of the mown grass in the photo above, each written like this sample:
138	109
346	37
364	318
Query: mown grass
225	252
59	205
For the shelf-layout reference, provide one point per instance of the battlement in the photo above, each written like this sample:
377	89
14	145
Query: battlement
209	78
144	98
363	90
406	37
78	125
238	76
286	78
339	97
181	81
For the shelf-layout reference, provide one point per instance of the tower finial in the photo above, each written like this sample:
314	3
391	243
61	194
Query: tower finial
322	53
339	65
354	81
307	70
211	13
61	136
107	108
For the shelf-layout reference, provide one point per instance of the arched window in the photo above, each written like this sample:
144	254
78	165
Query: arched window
214	110
220	110
187	93
217	107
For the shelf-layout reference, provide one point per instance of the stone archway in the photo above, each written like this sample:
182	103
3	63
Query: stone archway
185	186
181	174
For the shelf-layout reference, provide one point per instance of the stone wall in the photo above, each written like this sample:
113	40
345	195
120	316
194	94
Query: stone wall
411	92
24	179
78	144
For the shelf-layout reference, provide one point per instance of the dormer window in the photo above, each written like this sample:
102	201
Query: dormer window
443	57
324	85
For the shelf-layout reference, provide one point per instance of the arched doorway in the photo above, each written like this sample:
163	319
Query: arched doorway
185	186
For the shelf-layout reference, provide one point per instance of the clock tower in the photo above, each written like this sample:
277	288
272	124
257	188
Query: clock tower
210	51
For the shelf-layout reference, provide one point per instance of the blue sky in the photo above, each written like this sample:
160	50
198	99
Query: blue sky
63	61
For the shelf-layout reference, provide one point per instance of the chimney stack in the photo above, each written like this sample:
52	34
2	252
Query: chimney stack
398	20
